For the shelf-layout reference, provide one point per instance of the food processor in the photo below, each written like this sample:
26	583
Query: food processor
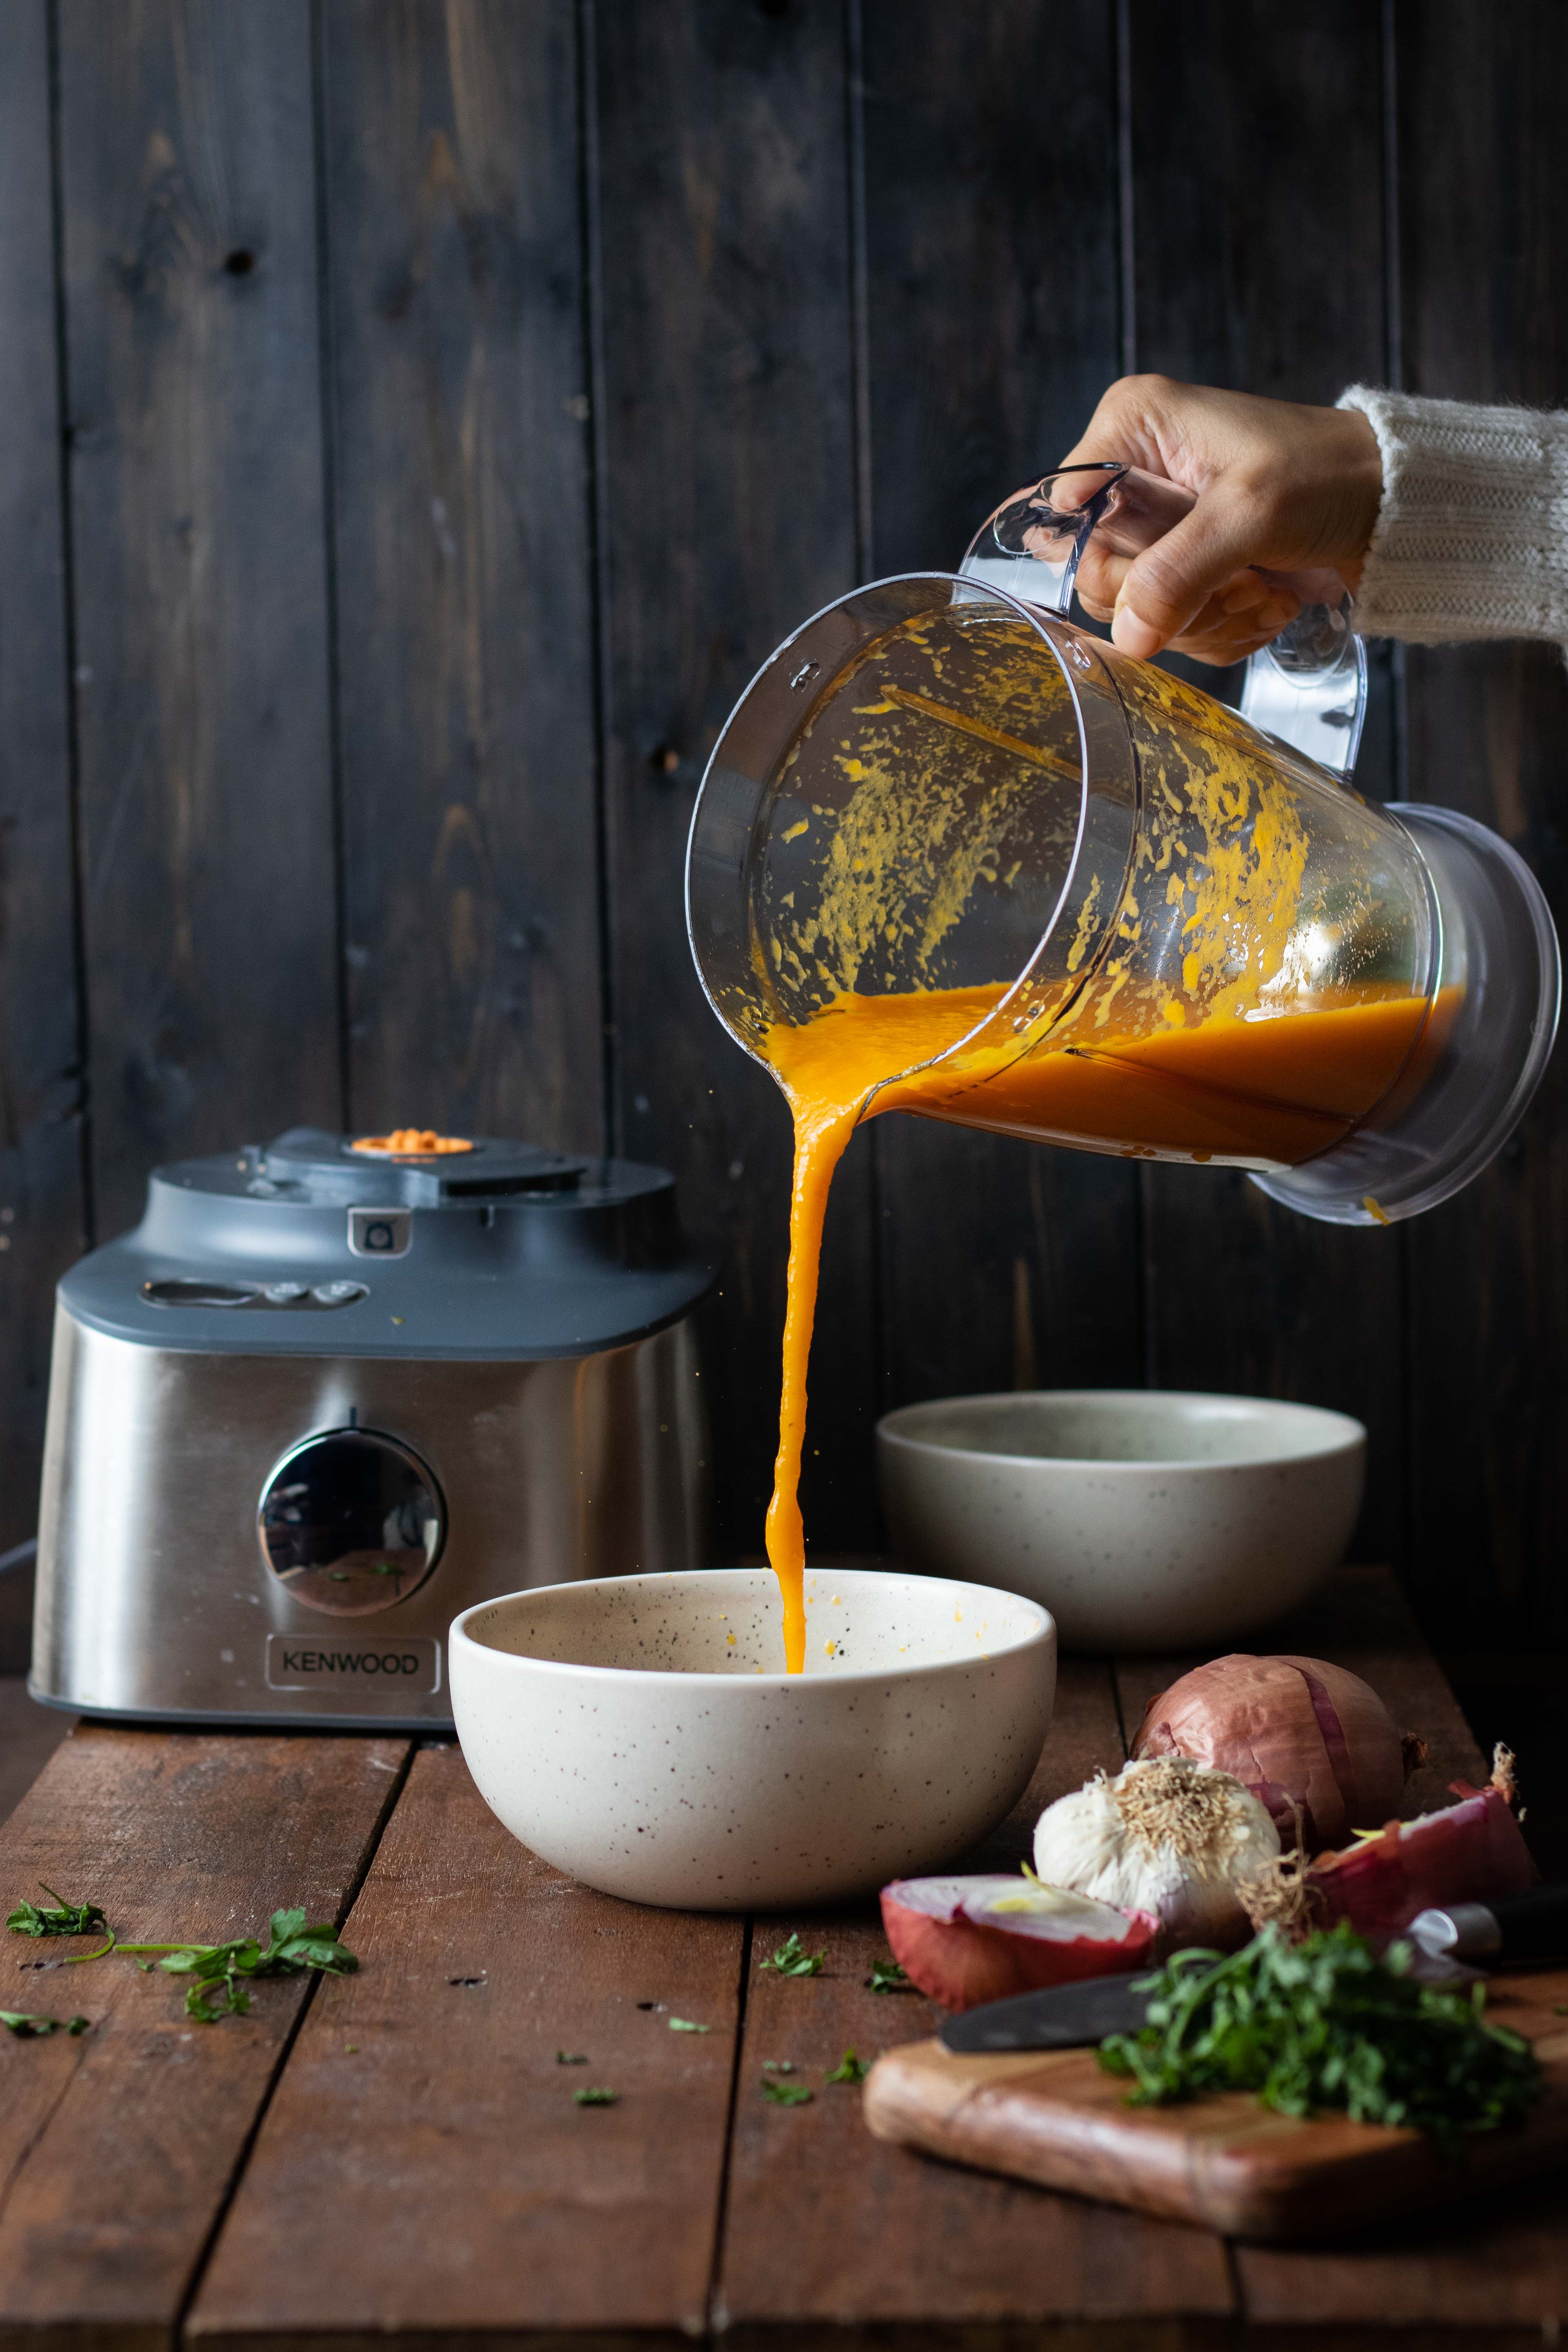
330	1392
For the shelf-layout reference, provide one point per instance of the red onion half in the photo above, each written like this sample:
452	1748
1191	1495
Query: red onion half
1466	1853
966	1940
1299	1733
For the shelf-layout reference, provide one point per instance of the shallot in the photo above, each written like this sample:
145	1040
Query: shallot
1313	1743
1167	1836
966	1940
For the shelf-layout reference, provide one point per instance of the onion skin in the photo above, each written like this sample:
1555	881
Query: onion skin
1466	1853
960	1963
1297	1732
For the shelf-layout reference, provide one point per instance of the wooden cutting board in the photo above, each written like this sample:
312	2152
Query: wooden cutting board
1056	2118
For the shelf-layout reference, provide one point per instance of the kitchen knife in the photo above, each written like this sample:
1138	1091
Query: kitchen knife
1446	1942
1061	2017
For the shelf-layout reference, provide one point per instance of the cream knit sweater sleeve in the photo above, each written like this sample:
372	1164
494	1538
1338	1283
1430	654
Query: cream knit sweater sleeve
1472	535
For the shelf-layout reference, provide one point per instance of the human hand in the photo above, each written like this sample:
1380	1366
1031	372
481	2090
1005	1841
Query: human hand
1279	488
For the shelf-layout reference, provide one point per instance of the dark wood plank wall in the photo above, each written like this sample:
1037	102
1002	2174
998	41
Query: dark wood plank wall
421	419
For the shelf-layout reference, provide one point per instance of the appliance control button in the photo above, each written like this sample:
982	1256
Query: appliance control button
284	1294
351	1521
337	1294
380	1233
181	1293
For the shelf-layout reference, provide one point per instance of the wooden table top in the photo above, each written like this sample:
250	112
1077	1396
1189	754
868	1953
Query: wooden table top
399	2152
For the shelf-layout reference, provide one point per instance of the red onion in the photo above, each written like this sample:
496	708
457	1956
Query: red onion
1302	1735
966	1940
1466	1853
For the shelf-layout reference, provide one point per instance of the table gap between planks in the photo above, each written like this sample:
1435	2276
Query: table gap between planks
399	2153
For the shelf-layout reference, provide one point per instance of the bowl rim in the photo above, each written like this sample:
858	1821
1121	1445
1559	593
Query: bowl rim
1041	1635
1342	1433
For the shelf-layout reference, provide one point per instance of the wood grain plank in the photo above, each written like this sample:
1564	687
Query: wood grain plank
117	2149
1360	1620
454	2184
42	1208
464	607
828	2228
993	305
1483	321
195	472
1257	265
729	503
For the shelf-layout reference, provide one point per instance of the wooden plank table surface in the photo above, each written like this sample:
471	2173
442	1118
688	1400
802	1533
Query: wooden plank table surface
399	2153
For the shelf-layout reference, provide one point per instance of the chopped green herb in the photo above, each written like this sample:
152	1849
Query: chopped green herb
792	1958
1560	2009
850	2069
61	1919
221	1970
887	1976
596	2098
570	2057
786	2094
1327	2024
684	2025
30	2029
352	2048
778	2065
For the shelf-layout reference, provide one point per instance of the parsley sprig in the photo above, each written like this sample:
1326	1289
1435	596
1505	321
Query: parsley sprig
222	1970
33	2029
888	1976
59	1918
850	2069
1327	2024
793	1959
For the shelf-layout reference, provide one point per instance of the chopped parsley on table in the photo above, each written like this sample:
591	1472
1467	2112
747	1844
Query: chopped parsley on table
32	2029
850	2069
59	1918
785	2094
586	2098
793	1959
887	1976
1326	2024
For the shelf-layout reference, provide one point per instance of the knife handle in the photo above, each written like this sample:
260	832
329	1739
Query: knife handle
1532	1925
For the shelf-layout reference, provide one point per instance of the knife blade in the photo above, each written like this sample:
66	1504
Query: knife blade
1059	2016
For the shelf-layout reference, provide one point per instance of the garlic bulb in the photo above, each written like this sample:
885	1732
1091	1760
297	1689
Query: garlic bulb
1167	1836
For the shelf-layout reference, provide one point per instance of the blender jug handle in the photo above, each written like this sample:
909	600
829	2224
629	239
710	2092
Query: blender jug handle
1308	688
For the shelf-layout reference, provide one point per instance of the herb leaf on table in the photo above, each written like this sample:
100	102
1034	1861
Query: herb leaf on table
850	2069
785	2094
60	1919
888	1976
596	2098
33	2029
222	1970
1326	2024
793	1959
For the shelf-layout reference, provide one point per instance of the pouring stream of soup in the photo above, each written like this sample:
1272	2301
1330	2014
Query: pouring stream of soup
1263	1092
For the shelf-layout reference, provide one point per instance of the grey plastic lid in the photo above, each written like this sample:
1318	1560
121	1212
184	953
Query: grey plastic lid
306	1248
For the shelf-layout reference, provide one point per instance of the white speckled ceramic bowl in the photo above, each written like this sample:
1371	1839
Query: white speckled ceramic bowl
1144	1520
636	1730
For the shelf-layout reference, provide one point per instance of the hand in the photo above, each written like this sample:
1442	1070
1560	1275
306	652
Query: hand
1279	487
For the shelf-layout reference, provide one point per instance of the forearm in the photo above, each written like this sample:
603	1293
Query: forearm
1471	539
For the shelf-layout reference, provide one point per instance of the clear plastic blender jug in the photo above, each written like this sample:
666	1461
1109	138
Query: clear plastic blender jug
1115	913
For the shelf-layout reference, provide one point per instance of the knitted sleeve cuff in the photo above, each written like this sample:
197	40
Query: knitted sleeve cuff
1471	538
